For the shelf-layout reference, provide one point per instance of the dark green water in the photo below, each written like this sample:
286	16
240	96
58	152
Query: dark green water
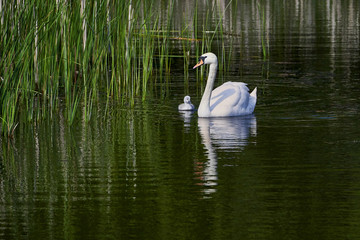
290	171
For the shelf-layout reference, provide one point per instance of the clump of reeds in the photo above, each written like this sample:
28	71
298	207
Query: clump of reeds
67	51
71	53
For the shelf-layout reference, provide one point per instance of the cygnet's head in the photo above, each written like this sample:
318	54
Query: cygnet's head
187	99
206	58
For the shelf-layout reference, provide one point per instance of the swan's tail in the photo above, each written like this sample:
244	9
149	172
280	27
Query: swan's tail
253	93
252	100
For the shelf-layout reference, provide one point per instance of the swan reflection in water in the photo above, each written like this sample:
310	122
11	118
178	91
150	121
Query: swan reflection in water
229	134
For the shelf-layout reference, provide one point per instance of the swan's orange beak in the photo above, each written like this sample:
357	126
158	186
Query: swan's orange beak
201	62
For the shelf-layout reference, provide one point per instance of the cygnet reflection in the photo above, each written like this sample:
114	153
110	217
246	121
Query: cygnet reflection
186	117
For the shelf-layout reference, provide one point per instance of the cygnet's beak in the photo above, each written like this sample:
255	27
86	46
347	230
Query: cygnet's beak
201	62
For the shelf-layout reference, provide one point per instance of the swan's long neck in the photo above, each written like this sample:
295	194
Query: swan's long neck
204	107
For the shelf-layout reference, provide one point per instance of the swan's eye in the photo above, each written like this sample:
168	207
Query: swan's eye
202	58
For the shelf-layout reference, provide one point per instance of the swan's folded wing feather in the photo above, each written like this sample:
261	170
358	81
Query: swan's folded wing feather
230	99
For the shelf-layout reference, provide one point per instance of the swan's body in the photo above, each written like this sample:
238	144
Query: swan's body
229	99
187	105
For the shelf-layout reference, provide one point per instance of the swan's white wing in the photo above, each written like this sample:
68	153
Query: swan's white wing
230	99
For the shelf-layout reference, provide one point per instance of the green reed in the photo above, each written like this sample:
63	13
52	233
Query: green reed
264	42
73	53
67	51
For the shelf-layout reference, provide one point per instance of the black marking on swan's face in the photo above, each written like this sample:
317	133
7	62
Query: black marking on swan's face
201	61
202	58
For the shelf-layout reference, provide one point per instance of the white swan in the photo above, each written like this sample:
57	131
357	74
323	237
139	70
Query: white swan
229	99
187	105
